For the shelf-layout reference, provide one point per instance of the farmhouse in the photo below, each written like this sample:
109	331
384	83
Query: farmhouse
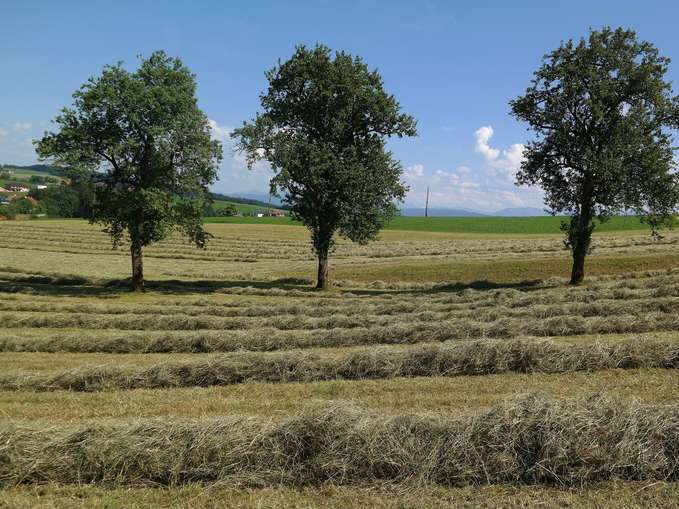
17	189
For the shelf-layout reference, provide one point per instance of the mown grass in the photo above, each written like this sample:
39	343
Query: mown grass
456	359
443	304
531	440
394	396
480	225
501	271
608	495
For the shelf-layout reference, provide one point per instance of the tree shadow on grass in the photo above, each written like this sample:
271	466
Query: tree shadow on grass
73	286
451	287
81	287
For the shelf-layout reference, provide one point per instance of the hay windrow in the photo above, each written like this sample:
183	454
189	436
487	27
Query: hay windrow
455	359
526	441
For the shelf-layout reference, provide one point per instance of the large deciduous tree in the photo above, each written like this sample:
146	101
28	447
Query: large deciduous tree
323	129
602	112
149	146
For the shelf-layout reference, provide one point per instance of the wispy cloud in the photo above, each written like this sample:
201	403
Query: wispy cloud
219	132
234	175
21	127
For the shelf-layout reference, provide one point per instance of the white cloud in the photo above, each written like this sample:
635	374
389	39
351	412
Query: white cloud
507	162
221	133
3	132
483	136
487	186
21	127
416	170
234	175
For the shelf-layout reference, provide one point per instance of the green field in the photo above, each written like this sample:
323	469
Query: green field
446	367
23	175
477	225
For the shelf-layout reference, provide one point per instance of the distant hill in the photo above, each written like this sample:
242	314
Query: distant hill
520	212
441	212
260	197
248	201
33	169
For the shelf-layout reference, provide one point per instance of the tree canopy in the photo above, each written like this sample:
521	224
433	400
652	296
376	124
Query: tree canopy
323	130
149	146
602	113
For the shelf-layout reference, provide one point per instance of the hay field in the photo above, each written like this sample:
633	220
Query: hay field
442	369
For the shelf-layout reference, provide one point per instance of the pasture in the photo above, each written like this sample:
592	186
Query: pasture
450	364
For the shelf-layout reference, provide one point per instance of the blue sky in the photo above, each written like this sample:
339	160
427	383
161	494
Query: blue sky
452	65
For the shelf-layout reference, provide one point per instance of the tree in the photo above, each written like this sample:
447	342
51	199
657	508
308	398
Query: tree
58	201
601	110
149	146
323	130
228	210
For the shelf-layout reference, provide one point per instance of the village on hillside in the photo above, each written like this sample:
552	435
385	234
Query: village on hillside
42	191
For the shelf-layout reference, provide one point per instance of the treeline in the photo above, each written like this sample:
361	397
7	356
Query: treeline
601	110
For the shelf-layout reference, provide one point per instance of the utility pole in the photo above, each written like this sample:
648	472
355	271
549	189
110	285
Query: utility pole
426	205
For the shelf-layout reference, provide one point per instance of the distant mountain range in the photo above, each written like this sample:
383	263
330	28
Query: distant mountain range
441	212
508	212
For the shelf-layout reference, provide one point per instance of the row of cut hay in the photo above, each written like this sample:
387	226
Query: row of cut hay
267	339
386	303
515	319
534	304
33	231
196	254
532	440
465	358
661	281
301	316
315	305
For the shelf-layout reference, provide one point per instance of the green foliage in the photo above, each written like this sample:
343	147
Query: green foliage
7	211
22	206
229	210
40	179
59	201
323	130
601	110
149	145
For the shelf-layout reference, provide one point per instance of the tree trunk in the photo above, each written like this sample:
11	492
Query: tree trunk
578	271
137	267
322	281
580	243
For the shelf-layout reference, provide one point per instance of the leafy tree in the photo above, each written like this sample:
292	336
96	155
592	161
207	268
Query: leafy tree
58	201
22	206
149	146
601	110
228	210
323	129
6	211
